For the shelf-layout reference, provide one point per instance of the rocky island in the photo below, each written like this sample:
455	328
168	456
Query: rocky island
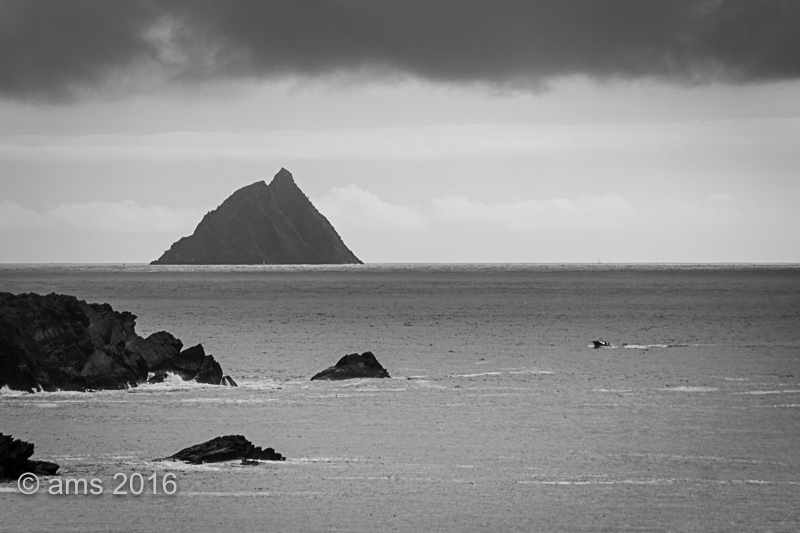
226	448
353	366
57	342
273	224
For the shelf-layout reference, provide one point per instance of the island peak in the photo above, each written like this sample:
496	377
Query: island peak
283	175
272	224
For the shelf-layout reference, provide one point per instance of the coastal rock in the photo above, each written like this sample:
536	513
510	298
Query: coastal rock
226	448
354	366
193	363
57	342
15	460
262	224
227	380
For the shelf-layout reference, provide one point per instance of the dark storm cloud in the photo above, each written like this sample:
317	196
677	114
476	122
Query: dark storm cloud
49	49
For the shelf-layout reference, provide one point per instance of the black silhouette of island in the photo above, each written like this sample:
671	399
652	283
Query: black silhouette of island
273	224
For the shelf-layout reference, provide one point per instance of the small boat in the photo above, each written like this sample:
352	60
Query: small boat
601	344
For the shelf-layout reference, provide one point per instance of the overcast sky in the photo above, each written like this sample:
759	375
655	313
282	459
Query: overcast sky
424	130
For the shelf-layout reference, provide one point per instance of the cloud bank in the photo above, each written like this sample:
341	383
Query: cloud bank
352	207
357	207
584	213
114	217
405	143
610	227
54	51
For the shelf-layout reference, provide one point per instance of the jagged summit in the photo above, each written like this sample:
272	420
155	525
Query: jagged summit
262	224
283	176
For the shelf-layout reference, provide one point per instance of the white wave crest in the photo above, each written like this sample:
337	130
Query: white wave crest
683	388
763	392
476	375
6	391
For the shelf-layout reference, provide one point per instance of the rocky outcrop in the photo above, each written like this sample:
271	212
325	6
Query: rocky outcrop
226	448
57	342
262	224
354	366
192	364
15	460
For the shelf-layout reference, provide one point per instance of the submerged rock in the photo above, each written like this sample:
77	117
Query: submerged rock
57	342
262	224
15	460
226	448
354	366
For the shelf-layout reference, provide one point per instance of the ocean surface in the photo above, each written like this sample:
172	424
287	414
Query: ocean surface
499	416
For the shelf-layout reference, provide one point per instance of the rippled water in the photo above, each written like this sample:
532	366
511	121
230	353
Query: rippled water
498	416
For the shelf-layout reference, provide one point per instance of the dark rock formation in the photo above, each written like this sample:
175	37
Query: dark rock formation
227	448
57	342
15	460
354	366
262	224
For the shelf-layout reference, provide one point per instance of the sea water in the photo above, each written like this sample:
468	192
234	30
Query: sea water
499	415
